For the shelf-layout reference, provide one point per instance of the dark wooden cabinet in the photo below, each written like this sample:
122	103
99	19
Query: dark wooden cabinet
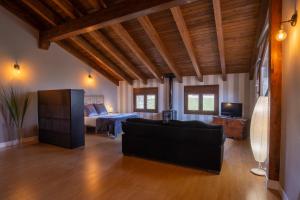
235	128
61	117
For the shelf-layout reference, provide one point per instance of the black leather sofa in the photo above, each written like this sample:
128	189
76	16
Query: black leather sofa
189	143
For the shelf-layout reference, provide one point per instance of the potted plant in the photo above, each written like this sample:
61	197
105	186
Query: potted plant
16	105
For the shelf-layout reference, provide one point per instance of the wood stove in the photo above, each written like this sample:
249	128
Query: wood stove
170	114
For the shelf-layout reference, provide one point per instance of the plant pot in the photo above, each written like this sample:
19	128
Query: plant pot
20	134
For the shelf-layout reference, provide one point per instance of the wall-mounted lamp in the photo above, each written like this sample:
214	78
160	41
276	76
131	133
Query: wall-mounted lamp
90	80
281	34
17	68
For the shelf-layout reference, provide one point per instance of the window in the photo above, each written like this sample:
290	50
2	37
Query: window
264	78
193	102
145	99
140	101
208	102
150	102
201	100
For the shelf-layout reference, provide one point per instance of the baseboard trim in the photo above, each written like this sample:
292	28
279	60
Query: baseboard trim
27	140
283	194
9	143
275	185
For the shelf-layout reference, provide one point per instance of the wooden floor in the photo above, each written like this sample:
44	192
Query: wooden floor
100	171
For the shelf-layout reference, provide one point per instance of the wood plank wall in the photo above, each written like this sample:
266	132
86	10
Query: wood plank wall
236	89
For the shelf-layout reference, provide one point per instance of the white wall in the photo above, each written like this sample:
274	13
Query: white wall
290	140
42	70
235	89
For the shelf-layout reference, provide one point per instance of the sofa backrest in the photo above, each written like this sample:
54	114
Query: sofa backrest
144	121
181	131
193	124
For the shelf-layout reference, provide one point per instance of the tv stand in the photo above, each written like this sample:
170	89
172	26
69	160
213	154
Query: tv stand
234	127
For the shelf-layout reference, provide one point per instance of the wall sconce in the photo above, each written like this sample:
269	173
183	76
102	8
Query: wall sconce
281	34
17	68
90	80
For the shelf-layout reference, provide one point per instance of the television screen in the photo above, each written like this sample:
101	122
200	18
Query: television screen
232	109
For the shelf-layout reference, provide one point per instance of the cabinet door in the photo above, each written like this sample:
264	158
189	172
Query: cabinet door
235	129
77	119
234	124
218	121
54	104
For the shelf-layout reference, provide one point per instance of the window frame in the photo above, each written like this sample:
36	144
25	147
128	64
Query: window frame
202	90
145	92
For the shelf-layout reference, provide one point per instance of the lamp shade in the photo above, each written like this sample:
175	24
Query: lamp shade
259	129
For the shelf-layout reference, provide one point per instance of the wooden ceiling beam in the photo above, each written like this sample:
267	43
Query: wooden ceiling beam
116	54
48	16
67	8
220	37
184	33
117	13
42	11
18	11
106	44
45	14
102	3
160	46
87	61
131	44
102	60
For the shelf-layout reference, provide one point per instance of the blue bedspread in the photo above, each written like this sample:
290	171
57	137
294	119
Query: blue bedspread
113	122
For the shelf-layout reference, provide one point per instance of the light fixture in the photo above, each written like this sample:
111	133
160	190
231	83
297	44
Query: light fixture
90	76
259	133
17	68
109	108
281	34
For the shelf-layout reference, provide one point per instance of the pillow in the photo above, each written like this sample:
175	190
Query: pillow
100	108
90	110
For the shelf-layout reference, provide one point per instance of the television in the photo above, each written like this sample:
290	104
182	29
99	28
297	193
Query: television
231	109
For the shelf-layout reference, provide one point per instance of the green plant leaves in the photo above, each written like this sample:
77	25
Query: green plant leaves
16	103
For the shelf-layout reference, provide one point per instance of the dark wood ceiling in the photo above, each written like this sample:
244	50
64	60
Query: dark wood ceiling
193	39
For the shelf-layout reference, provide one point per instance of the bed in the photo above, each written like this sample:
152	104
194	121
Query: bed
108	122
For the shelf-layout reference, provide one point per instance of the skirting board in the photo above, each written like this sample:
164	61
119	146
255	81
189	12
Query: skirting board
9	143
15	142
275	185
